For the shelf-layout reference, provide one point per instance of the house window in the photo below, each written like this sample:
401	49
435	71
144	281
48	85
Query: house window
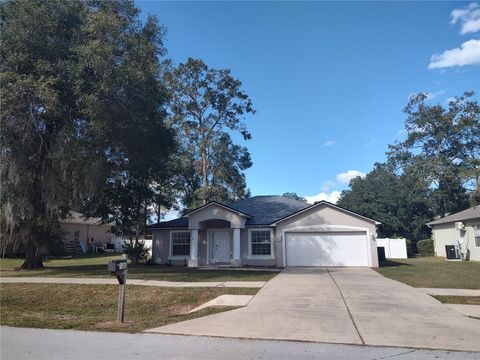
261	243
76	236
180	241
477	240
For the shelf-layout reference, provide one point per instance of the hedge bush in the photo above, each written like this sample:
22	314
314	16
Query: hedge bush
425	247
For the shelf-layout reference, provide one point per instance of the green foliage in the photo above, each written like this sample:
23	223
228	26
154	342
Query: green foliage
82	116
205	104
294	196
399	202
425	247
444	143
136	251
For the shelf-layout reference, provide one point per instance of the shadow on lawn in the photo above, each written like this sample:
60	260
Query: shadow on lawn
392	263
150	272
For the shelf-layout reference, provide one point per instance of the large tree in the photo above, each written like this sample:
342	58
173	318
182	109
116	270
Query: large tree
81	100
205	104
399	201
445	144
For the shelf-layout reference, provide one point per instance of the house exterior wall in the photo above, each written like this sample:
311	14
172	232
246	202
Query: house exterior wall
161	248
215	212
100	233
321	218
244	249
446	234
324	219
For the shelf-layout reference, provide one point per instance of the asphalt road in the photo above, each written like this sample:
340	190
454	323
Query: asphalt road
19	344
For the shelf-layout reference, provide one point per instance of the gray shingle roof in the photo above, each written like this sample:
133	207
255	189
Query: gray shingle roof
181	222
264	210
268	209
468	214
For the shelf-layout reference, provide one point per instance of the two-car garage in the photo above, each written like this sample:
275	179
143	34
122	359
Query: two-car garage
326	249
327	235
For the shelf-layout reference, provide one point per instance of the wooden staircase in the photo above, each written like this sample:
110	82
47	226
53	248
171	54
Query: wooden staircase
73	247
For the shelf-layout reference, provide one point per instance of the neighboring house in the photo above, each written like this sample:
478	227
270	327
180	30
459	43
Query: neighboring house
267	231
461	229
85	234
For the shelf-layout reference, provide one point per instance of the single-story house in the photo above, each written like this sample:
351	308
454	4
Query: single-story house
85	234
461	229
267	231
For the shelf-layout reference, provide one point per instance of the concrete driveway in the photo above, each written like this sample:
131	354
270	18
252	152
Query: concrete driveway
340	305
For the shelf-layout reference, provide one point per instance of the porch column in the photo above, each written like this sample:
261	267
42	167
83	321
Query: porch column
193	261
236	261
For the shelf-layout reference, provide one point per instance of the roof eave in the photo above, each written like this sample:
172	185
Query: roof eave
221	205
323	202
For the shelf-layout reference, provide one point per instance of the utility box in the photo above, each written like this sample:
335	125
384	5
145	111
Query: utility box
452	252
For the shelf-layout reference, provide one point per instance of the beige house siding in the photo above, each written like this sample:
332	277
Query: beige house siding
319	218
325	218
161	249
216	212
446	234
100	233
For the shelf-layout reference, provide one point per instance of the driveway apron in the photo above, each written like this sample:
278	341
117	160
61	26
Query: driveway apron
340	305
298	304
387	312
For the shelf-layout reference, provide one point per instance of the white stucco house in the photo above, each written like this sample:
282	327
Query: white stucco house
267	231
461	229
82	234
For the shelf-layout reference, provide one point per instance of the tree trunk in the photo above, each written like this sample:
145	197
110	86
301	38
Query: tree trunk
204	180
33	259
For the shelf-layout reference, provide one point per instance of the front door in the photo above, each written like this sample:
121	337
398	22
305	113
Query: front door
220	242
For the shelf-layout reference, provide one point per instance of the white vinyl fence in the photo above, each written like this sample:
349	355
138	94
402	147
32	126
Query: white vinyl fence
394	248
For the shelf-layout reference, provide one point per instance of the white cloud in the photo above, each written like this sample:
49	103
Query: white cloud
329	143
330	197
327	185
467	54
469	17
344	178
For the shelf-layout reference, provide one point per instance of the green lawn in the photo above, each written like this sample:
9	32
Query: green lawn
96	266
463	300
94	307
433	272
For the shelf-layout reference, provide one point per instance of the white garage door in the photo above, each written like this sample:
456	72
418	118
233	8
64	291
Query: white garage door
326	249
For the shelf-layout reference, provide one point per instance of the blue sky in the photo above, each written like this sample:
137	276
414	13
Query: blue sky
329	80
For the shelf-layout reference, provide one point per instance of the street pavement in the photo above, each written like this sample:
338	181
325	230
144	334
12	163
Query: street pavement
40	344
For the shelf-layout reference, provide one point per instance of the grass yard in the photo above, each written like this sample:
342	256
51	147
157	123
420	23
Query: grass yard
433	272
463	300
95	266
94	307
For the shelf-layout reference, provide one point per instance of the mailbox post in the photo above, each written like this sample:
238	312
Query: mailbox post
118	268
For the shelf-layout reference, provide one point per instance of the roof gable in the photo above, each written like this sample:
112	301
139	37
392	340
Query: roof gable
336	207
260	210
212	203
468	214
